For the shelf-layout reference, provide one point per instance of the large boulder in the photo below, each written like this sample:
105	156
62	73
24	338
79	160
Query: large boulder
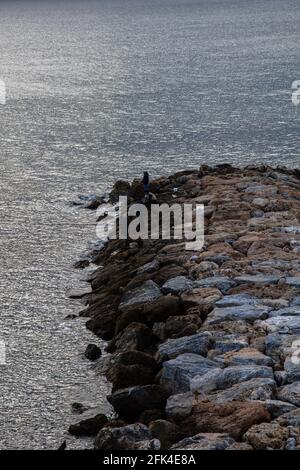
221	283
123	376
253	389
197	344
181	325
130	402
248	313
177	373
147	292
237	374
135	336
233	418
89	427
177	285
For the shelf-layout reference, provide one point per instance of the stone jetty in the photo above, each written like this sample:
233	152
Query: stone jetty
204	346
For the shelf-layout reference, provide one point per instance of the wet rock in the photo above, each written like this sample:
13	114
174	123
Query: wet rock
267	436
150	267
166	432
197	344
121	438
290	393
248	313
177	285
169	271
180	406
133	357
89	427
205	441
233	418
79	408
221	283
253	389
148	292
177	373
92	352
80	292
176	327
123	376
132	401
135	336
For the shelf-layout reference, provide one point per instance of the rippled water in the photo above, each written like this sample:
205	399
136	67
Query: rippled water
99	91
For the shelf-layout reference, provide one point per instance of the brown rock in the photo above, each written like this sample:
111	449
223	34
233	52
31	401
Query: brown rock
122	376
150	415
233	418
176	326
267	436
135	336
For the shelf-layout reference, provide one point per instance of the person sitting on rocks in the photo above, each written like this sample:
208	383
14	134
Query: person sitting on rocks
146	184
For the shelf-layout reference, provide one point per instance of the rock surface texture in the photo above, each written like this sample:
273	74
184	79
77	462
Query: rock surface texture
205	345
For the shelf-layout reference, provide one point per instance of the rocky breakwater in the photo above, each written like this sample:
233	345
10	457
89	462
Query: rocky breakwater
204	351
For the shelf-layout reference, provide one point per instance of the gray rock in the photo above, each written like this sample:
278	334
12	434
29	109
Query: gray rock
293	281
279	345
257	279
221	283
290	393
285	312
236	300
206	383
292	368
147	292
288	324
148	267
78	293
296	301
277	408
177	285
197	344
226	343
177	373
205	441
254	389
248	313
179	406
266	189
237	374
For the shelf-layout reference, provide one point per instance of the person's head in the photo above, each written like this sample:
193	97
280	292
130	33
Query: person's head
146	173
